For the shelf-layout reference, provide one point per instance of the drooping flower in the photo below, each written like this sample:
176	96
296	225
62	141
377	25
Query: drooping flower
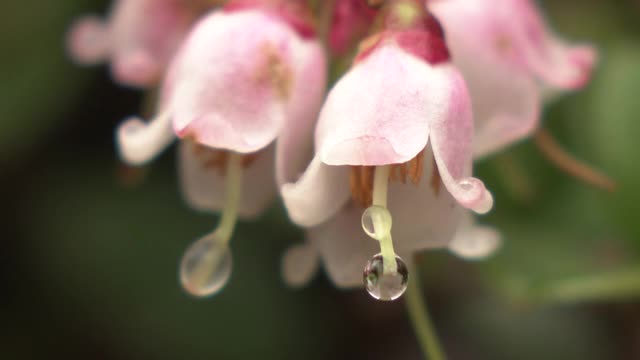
511	61
243	94
138	40
399	122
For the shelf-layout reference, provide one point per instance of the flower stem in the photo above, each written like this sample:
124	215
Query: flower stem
566	162
420	319
619	284
233	189
380	189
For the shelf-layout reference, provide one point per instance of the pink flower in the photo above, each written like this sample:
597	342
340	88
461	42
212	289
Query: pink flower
138	40
511	60
402	111
243	93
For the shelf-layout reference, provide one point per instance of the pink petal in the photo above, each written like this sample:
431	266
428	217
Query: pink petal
138	68
507	55
204	188
319	193
451	140
506	104
139	37
380	111
294	147
88	40
235	97
549	57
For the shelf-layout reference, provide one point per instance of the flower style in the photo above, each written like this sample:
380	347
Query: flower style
139	39
511	61
243	94
401	114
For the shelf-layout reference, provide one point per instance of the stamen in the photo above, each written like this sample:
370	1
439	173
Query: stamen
206	265
385	275
436	180
566	162
361	180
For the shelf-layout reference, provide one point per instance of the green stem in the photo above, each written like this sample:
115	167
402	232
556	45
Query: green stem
232	200
619	284
420	319
380	189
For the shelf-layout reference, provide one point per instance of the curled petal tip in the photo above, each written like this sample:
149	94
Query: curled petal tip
476	243
473	195
299	264
295	199
88	40
137	68
139	142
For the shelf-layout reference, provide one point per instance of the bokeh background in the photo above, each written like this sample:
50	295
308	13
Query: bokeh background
89	248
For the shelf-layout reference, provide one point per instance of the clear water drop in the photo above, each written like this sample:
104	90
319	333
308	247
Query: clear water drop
376	222
385	287
205	267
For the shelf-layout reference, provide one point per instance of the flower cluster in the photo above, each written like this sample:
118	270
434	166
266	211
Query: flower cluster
243	84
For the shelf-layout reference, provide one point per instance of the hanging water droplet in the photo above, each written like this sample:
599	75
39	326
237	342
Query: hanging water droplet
205	267
385	287
376	222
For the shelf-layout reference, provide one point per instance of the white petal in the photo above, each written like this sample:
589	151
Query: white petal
319	193
299	264
139	142
204	187
474	242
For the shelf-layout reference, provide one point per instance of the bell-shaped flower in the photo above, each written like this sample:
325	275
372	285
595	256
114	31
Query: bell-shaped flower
511	61
398	125
243	94
138	40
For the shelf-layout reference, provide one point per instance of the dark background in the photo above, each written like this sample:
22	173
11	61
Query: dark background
89	248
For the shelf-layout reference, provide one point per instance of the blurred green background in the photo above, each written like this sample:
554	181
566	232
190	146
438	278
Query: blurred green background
90	249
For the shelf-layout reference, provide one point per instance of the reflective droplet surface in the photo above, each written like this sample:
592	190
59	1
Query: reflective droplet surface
376	222
205	267
385	287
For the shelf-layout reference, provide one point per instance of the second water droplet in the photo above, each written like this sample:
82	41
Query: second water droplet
205	267
385	287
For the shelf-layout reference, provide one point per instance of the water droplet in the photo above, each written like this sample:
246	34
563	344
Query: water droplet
385	287
205	267
376	222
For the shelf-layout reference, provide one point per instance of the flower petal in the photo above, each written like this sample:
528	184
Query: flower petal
319	193
139	142
88	40
344	247
294	147
451	139
508	56
554	61
299	264
425	216
473	242
235	97
380	111
204	186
